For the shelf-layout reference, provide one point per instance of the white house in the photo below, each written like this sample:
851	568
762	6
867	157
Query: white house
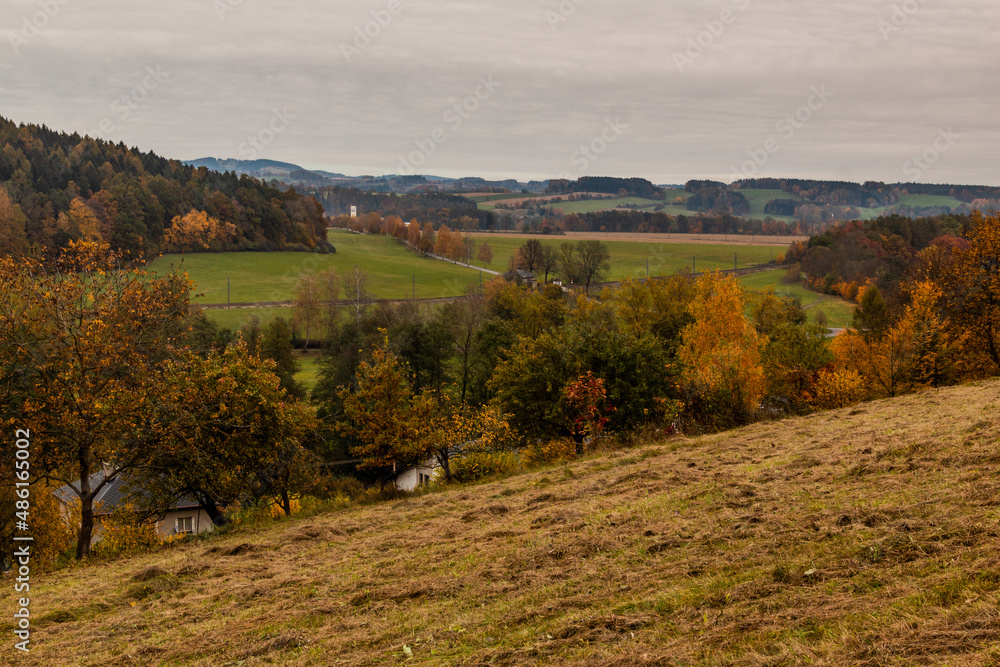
414	476
184	516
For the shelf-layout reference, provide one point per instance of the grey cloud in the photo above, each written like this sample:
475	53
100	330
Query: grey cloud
560	82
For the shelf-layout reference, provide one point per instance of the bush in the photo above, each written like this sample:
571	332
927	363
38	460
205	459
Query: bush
325	488
53	530
793	275
277	511
248	514
838	389
125	533
561	449
479	465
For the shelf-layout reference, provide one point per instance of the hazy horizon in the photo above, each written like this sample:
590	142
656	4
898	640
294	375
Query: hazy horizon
894	92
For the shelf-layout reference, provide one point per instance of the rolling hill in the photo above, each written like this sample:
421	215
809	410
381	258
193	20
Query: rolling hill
864	536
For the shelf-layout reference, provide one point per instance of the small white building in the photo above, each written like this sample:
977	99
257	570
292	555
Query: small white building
414	477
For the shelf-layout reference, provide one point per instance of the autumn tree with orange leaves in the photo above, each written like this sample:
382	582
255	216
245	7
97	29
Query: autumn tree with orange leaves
197	232
389	422
970	290
81	340
722	352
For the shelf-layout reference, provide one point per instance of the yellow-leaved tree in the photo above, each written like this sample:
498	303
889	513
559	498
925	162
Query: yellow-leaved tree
721	352
81	222
197	231
393	425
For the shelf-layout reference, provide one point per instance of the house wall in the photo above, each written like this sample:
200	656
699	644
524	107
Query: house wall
410	479
202	522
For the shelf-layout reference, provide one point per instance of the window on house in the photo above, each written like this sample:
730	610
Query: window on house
184	524
424	479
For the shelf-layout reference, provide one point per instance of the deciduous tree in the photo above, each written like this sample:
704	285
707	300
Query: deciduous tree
594	261
391	424
971	288
307	309
722	352
197	232
548	261
531	254
234	434
485	253
356	290
82	341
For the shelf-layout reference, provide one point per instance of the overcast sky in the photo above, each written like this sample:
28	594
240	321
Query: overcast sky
665	90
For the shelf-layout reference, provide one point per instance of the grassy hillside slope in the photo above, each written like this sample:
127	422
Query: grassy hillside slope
392	270
864	536
629	258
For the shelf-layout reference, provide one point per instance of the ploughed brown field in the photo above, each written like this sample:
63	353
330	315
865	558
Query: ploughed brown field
863	536
517	201
713	239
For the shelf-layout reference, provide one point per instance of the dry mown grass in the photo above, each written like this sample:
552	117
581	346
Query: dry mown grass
865	536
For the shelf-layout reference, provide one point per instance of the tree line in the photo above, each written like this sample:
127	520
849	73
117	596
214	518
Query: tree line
59	187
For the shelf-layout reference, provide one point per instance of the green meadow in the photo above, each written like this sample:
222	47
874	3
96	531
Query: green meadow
838	311
394	272
629	258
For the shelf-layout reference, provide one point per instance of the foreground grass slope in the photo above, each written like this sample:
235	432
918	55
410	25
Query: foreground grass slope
864	536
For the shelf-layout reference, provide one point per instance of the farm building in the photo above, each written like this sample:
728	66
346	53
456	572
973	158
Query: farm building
522	277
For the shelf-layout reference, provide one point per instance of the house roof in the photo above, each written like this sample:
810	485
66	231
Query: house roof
111	495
